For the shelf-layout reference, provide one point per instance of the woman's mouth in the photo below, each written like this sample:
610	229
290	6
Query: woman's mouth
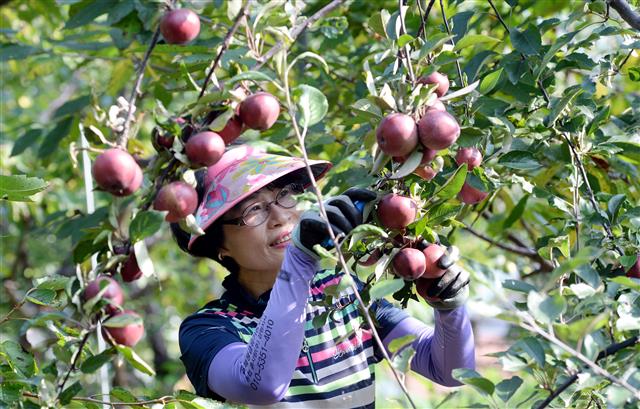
283	241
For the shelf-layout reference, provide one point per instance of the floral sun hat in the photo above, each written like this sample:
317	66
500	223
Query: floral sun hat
242	171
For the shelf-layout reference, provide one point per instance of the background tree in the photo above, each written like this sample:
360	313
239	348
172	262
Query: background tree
548	221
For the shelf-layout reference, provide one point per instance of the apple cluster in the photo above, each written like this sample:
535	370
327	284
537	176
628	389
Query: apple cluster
399	135
108	289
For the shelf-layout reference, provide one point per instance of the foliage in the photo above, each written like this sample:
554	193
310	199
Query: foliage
548	91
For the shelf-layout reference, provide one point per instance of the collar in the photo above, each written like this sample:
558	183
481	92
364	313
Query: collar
236	294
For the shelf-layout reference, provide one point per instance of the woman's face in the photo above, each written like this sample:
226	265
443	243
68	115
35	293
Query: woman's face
259	248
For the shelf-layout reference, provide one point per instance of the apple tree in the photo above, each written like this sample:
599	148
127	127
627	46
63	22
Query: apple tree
506	133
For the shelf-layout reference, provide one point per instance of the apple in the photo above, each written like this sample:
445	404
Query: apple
130	270
396	212
116	172
128	335
204	148
436	78
438	129
231	130
437	106
470	195
179	198
634	271
397	134
426	172
180	26
409	263
471	156
112	292
432	254
259	111
162	140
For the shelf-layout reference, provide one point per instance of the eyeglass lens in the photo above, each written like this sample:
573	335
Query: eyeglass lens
258	212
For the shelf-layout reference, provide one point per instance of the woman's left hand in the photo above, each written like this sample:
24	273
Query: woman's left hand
451	290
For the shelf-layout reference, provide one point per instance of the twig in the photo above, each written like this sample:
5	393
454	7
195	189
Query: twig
405	52
14	309
122	139
619	67
463	83
223	48
626	12
297	30
163	400
592	198
610	350
341	259
423	24
532	326
74	362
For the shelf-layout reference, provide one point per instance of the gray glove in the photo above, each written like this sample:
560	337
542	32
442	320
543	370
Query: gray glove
344	213
452	288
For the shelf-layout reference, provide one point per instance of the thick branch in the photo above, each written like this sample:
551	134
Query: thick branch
423	23
626	12
223	48
297	30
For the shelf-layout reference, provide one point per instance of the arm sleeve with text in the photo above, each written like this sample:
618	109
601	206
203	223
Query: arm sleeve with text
260	372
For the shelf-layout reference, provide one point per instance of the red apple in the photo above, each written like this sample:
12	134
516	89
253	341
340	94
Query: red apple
397	134
432	254
116	172
396	212
231	130
161	139
180	26
259	111
471	156
130	270
409	263
438	129
204	148
112	292
634	271
179	198
128	335
437	106
470	195
436	78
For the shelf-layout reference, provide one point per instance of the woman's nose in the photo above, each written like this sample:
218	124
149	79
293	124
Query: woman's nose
278	215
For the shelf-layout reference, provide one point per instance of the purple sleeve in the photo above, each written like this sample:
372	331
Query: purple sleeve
260	372
439	350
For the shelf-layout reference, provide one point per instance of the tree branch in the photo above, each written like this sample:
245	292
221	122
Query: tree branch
74	362
297	30
610	350
626	12
122	139
453	43
423	23
225	45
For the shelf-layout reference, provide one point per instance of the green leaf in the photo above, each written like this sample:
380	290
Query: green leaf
122	320
145	224
559	104
54	283
20	361
517	285
527	42
634	74
404	40
399	343
435	41
614	205
453	185
321	319
72	107
28	139
627	282
249	76
475	39
516	213
378	23
135	360
533	348
17	51
19	188
409	165
53	138
88	10
70	392
385	288
545	309
94	362
516	159
314	56
42	296
506	388
490	81
312	103
474	379
369	229
122	395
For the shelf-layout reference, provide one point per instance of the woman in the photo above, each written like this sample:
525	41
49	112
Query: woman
257	344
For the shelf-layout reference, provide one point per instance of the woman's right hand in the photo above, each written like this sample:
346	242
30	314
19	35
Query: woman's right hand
344	213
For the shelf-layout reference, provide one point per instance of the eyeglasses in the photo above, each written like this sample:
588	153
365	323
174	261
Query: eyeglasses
257	213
